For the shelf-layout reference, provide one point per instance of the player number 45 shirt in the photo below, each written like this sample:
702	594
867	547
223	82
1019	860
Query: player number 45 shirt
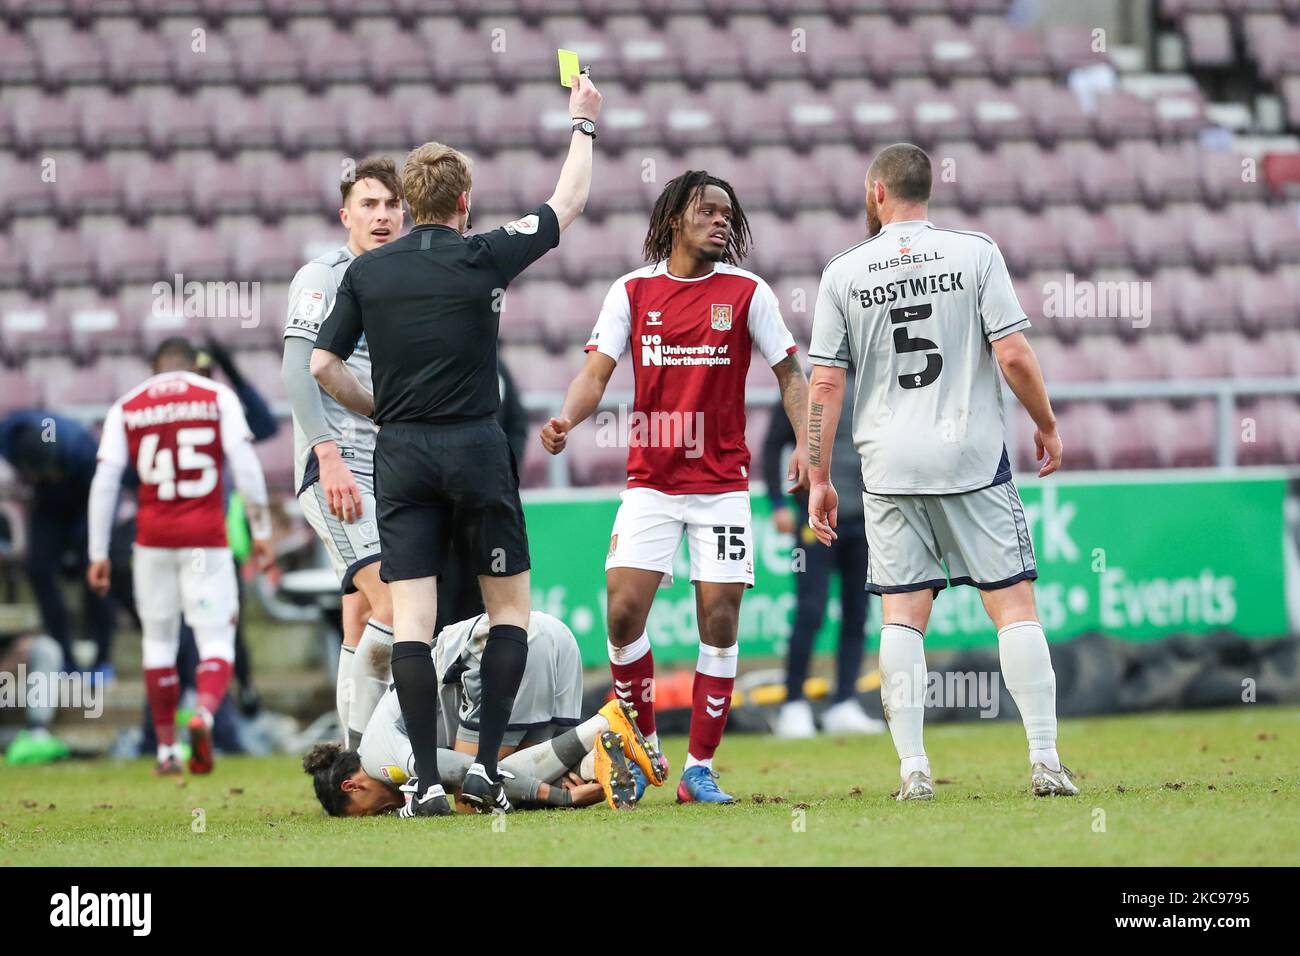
690	342
175	429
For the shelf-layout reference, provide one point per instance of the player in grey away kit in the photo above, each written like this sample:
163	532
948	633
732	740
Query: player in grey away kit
558	769
927	316
334	447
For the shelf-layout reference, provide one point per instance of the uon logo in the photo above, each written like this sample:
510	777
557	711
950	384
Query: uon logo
720	317
652	350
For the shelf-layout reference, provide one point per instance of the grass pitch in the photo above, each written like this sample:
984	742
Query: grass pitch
1205	788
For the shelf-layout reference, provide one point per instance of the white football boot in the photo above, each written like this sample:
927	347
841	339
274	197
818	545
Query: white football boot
1052	783
795	721
918	786
848	717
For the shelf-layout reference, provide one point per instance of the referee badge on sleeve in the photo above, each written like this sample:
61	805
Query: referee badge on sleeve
526	226
720	317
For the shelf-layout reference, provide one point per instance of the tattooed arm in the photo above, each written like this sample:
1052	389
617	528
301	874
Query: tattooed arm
794	398
825	398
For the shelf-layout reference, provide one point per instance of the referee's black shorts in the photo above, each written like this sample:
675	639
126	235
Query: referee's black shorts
436	485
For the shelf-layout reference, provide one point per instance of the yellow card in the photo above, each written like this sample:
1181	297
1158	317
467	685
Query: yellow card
568	67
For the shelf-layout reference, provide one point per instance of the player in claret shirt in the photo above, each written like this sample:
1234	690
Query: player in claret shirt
178	430
691	320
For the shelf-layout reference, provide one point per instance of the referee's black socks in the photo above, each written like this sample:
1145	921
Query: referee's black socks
501	670
416	681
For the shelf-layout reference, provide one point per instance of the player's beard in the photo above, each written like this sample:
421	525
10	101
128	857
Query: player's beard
712	252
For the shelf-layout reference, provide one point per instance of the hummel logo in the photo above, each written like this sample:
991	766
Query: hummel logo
713	705
908	314
652	318
623	689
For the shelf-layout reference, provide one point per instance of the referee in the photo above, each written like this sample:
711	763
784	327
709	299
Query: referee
428	305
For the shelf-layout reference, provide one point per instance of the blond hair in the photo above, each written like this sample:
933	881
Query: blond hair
433	179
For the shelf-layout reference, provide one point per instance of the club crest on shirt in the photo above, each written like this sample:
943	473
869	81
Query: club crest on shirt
720	317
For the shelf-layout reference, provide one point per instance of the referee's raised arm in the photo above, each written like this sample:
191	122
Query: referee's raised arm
570	196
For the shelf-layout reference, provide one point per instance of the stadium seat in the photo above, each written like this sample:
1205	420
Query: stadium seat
1275	235
134	56
32	328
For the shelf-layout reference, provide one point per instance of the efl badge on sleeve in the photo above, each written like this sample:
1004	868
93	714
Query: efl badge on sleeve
720	317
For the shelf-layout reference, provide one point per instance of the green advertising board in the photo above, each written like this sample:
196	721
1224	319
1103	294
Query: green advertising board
1134	556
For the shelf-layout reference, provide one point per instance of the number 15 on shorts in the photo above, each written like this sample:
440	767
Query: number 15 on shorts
731	542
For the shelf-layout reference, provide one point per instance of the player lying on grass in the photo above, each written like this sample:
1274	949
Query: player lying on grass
601	758
547	705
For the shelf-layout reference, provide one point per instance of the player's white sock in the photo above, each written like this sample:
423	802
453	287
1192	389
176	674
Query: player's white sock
372	672
344	691
587	769
903	679
544	762
1027	671
697	762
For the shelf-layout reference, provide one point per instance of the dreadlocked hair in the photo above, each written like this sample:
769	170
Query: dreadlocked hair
329	765
672	203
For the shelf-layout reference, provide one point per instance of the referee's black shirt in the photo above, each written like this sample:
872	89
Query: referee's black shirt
429	305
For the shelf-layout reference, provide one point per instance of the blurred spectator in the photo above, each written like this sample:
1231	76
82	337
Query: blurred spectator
848	556
55	457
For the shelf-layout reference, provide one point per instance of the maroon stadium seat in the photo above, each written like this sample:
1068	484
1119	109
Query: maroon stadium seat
85	187
833	53
95	326
1124	115
1171	173
127	255
68	56
1267	302
997	116
32	328
265	57
239	122
152	186
1209	40
1220	238
221	186
1203	303
17	390
1010	51
329	55
1206	357
198	60
134	56
19	62
1275	235
43	122
1190	439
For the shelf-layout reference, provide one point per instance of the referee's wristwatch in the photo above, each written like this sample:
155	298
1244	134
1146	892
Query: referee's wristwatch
581	125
